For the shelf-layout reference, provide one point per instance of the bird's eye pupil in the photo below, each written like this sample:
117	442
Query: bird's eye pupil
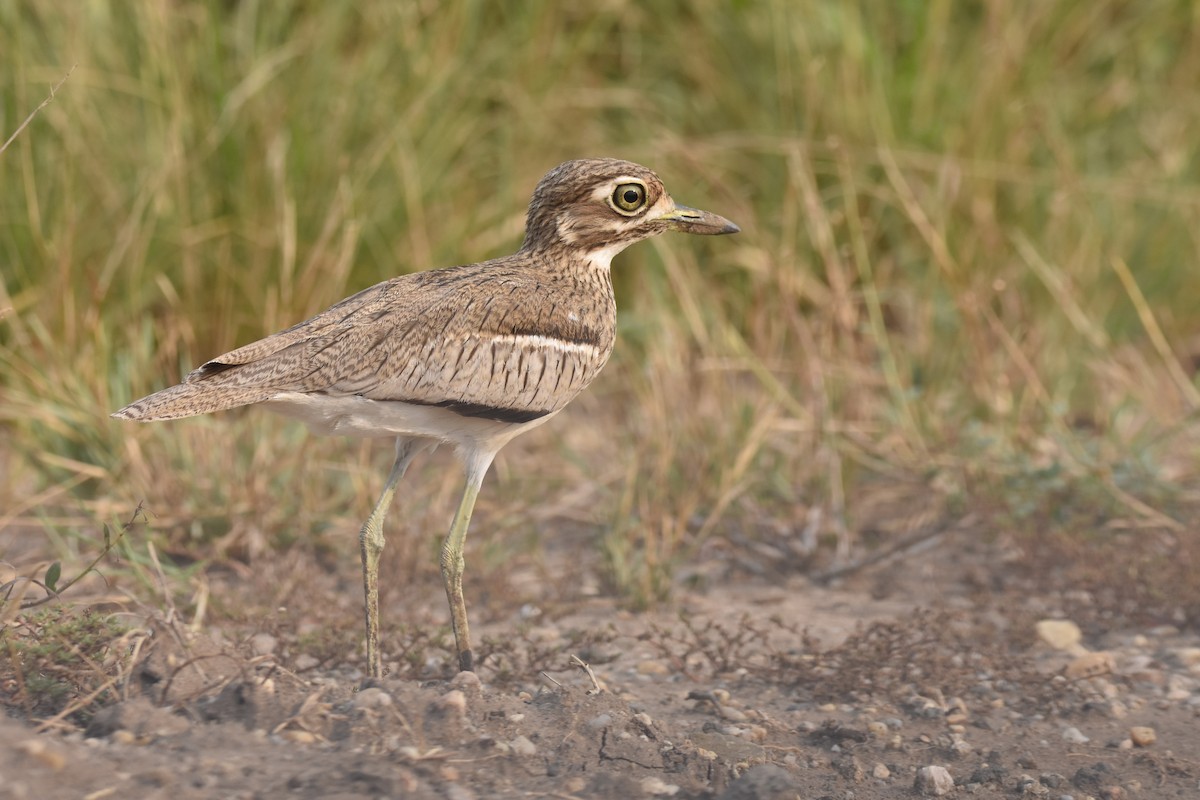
629	197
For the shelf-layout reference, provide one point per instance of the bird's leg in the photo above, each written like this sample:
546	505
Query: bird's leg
371	540
452	558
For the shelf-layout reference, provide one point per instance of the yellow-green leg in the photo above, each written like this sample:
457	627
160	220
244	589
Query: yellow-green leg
372	541
452	558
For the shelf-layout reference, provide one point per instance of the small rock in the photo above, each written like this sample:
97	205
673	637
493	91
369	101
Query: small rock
1052	780
123	737
452	702
732	714
467	683
849	768
877	729
881	772
1188	656
960	746
263	644
1074	736
763	782
1142	736
658	787
1090	778
522	746
43	753
305	662
372	698
1180	687
1089	665
298	736
1061	634
1028	786
933	781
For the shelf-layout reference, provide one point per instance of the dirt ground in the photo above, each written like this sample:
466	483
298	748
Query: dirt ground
942	671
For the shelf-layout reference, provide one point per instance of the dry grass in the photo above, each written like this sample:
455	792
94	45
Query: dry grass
968	261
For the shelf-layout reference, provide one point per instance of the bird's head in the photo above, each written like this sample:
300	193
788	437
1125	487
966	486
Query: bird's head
600	206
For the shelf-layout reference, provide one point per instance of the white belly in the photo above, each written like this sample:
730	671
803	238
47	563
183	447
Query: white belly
357	416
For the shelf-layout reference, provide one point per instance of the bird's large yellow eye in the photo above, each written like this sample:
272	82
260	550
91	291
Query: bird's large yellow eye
629	197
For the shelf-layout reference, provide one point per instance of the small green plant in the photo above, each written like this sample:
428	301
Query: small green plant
60	659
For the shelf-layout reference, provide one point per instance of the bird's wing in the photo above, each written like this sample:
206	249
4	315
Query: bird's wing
417	338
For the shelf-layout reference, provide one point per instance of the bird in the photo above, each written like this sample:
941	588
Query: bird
469	356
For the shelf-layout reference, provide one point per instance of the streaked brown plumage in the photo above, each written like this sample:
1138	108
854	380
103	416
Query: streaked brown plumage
471	355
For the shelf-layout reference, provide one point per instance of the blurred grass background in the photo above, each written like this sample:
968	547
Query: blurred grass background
968	266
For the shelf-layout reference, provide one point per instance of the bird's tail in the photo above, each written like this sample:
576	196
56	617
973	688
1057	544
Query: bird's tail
189	400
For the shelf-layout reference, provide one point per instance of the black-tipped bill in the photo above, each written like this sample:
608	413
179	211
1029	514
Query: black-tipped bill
693	220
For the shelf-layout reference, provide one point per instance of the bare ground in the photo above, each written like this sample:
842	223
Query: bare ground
755	683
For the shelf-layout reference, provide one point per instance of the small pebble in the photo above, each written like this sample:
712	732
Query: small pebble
453	701
933	781
522	746
600	721
881	772
468	683
1188	656
658	787
373	698
1074	736
40	751
732	714
1142	736
262	644
305	662
1089	665
1061	634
